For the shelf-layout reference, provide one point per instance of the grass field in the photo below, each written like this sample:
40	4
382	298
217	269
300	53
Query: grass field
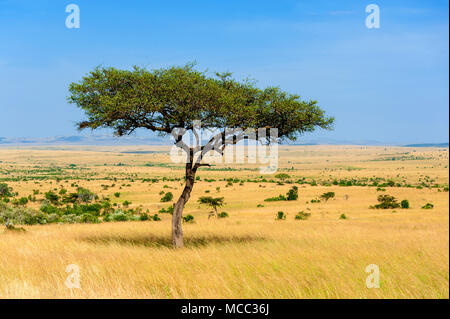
249	254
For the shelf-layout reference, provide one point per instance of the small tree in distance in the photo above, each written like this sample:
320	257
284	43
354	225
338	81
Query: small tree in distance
282	176
164	100
213	202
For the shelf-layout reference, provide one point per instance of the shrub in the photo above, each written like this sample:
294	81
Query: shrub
343	216
428	206
47	208
282	176
53	218
188	218
119	216
88	218
223	215
5	190
327	196
167	197
404	203
126	203
387	202
143	217
274	199
52	197
20	202
302	216
117	194
281	215
156	218
292	193
85	195
70	219
168	210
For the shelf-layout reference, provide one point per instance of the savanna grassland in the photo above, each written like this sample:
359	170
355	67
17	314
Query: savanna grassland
248	254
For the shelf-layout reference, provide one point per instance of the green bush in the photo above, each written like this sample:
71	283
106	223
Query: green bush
20	202
117	194
275	199
223	215
156	218
143	217
428	206
167	197
88	218
188	218
387	202
280	216
168	210
84	195
5	190
52	197
404	203
343	216
119	216
302	216
292	194
70	219
126	203
327	196
282	176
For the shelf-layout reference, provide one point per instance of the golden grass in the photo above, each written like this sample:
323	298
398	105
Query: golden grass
249	254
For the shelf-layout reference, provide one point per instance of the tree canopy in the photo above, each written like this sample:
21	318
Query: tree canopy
175	97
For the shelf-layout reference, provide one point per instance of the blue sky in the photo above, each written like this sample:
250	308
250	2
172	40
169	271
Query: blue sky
388	84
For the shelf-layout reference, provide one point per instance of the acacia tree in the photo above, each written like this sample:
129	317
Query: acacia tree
171	100
213	202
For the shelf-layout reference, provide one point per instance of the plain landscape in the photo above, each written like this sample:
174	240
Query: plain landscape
307	231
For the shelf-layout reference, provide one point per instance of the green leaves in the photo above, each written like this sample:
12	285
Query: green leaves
163	99
211	201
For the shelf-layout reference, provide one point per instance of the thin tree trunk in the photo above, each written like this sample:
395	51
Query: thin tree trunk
177	231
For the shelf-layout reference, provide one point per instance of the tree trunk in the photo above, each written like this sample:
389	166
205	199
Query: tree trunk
177	231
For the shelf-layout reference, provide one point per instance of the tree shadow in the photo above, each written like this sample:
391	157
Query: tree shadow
151	240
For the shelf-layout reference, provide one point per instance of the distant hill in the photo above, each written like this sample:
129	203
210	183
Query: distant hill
86	140
154	139
428	145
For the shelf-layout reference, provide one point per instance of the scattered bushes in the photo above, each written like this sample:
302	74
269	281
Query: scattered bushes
168	210
292	194
282	176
